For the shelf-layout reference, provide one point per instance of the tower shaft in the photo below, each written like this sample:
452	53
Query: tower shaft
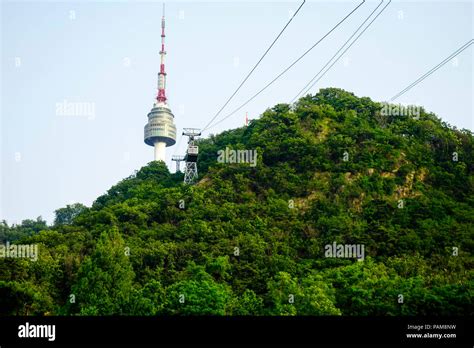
160	151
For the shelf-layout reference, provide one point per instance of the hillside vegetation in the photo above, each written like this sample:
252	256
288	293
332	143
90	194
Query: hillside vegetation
250	240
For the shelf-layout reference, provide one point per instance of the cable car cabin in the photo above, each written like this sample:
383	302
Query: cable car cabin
192	153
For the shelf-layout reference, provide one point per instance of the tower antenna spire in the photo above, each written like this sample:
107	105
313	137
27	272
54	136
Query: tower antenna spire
161	97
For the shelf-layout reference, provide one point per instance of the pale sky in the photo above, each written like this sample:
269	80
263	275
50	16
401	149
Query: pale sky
103	55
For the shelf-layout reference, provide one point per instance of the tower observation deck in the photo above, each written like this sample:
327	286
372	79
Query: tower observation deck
160	131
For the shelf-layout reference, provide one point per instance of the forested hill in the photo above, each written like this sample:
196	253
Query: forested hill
252	239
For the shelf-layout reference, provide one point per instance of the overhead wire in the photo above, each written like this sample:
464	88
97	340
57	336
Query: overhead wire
288	68
432	70
339	50
255	66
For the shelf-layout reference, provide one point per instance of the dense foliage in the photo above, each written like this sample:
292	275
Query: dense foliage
250	240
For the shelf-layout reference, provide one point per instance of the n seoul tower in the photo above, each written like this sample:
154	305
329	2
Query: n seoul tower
160	131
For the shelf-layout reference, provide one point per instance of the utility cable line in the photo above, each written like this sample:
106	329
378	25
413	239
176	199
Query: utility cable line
339	50
353	42
251	71
413	84
288	68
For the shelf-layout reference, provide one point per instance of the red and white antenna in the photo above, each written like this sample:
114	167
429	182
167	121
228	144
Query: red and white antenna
246	118
161	97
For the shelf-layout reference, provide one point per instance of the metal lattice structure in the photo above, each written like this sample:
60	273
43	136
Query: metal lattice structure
190	173
190	169
178	160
